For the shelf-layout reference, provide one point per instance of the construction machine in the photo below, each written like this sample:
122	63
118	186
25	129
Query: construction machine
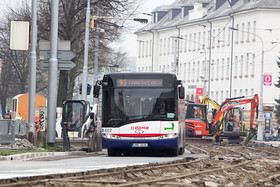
79	125
223	126
196	121
232	121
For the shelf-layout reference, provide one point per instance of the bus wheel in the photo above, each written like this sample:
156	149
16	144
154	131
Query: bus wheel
181	151
114	152
174	151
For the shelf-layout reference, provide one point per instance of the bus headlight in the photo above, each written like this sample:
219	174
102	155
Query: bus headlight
110	136
166	136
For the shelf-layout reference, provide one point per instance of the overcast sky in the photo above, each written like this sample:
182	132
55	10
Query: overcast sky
129	43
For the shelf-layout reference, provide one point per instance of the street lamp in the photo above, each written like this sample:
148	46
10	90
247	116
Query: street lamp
260	127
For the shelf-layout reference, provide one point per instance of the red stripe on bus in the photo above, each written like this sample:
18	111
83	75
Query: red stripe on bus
139	135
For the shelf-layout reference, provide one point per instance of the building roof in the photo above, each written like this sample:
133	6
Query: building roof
212	8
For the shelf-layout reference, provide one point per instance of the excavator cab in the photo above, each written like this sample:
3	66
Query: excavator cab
196	120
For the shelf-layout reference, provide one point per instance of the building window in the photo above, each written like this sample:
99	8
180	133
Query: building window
248	32
194	41
198	41
181	44
214	38
190	43
143	49
223	69
184	75
168	46
197	71
151	47
224	38
186	43
193	78
147	48
217	69
240	92
227	68
241	66
172	46
228	38
164	46
139	49
218	38
254	31
235	93
242	33
189	72
237	34
160	47
204	38
247	65
235	66
253	65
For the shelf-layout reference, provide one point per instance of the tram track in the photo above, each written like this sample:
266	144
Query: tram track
232	164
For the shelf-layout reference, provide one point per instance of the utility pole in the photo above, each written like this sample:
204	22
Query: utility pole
53	68
32	77
85	68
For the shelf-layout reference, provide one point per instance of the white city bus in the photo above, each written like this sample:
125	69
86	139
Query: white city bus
142	111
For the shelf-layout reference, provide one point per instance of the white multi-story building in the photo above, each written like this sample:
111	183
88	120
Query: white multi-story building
226	41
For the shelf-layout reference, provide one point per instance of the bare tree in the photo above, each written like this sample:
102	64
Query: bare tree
72	17
15	64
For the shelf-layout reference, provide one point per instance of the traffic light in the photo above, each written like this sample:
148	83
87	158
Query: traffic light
81	88
141	20
88	89
92	22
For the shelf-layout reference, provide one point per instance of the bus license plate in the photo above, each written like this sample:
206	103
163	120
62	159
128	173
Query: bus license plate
139	145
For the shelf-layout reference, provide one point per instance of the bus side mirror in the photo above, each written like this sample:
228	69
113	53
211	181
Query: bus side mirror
96	91
181	92
91	115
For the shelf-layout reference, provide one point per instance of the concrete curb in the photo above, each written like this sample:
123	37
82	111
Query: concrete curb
28	156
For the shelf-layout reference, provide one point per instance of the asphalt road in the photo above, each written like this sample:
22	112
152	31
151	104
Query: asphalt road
72	164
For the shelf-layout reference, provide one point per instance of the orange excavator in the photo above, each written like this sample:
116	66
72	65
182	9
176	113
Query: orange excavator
232	121
227	122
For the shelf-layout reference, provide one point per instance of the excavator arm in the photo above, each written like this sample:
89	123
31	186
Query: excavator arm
206	99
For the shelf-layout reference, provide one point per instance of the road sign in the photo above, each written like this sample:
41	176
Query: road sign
62	65
267	79
260	116
61	55
64	60
63	45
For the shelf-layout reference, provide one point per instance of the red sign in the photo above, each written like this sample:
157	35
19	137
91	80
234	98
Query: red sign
199	91
267	79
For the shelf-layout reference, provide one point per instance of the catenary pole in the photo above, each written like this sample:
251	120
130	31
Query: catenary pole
53	68
32	76
85	68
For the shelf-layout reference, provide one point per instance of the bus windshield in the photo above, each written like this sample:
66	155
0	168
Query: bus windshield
126	105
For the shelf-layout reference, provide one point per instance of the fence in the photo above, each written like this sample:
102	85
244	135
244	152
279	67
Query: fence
9	129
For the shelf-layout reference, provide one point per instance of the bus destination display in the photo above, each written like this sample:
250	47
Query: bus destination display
139	82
